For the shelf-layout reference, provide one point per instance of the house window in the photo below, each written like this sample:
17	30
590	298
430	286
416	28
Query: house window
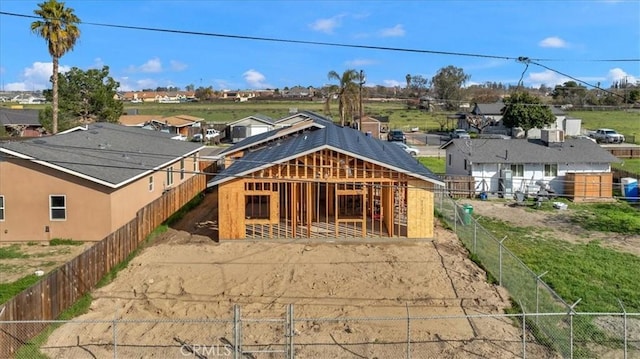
550	170
517	170
1	208
449	159
150	183
466	164
182	169
195	163
58	207
169	176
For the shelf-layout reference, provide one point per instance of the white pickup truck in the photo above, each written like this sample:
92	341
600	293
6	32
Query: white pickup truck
209	135
607	135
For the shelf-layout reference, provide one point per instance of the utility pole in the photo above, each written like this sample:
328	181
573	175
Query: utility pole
361	82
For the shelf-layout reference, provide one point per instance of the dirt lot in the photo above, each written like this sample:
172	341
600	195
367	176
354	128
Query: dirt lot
185	275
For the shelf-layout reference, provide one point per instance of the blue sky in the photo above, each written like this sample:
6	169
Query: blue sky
573	34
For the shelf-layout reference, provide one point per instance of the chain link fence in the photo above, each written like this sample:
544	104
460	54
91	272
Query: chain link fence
590	335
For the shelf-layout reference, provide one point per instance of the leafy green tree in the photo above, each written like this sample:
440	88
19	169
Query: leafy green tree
85	97
569	93
60	31
418	86
447	85
522	109
347	92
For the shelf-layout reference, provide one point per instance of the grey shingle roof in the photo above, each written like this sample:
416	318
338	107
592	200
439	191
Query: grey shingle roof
342	139
19	117
110	154
259	117
530	151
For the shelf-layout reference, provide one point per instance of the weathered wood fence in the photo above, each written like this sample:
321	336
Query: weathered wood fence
460	186
624	152
60	289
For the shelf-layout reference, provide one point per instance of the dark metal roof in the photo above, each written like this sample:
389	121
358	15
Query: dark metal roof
19	117
341	139
106	153
573	150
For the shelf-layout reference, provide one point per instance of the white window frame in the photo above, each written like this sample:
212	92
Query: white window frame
170	176
2	208
514	169
551	170
151	183
51	207
181	169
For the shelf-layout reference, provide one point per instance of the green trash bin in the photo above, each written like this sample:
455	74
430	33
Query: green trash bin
467	213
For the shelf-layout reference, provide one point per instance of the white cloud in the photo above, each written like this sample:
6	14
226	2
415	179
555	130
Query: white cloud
127	84
359	62
177	65
395	31
618	74
546	77
393	83
153	65
35	77
326	25
255	79
553	42
97	63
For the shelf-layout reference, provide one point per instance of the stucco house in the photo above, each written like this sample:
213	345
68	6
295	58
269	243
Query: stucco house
503	166
315	179
85	184
20	122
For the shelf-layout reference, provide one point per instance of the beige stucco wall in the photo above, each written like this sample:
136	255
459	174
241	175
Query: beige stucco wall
93	210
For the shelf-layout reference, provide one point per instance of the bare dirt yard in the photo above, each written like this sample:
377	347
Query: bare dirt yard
184	278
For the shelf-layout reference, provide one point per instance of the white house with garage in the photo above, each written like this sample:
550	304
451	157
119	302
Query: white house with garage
249	126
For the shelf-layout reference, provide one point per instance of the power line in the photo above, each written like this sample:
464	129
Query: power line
320	43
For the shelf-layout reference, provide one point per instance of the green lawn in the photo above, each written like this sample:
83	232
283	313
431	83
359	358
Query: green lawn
629	164
596	274
625	122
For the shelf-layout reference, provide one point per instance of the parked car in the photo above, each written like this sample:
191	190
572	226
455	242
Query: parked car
607	135
210	134
408	149
396	135
459	133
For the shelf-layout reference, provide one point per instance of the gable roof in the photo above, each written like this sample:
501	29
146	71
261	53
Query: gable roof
572	150
303	116
137	120
340	139
258	117
19	117
109	154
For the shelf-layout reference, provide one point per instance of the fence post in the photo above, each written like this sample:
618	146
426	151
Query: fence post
236	332
500	262
571	314
524	332
538	295
291	330
624	323
475	236
408	332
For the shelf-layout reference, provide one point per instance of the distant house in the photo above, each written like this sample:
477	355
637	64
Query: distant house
184	125
21	123
491	114
315	179
503	166
301	116
248	126
86	183
374	126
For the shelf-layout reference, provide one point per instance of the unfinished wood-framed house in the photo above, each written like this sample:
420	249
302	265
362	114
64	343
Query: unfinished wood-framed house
316	179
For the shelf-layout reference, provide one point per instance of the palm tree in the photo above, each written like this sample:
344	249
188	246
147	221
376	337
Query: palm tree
59	29
347	92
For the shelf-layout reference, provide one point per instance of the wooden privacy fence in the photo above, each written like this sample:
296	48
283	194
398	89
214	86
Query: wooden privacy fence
625	152
60	289
460	186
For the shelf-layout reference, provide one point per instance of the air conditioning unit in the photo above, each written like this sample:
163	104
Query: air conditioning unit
552	136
